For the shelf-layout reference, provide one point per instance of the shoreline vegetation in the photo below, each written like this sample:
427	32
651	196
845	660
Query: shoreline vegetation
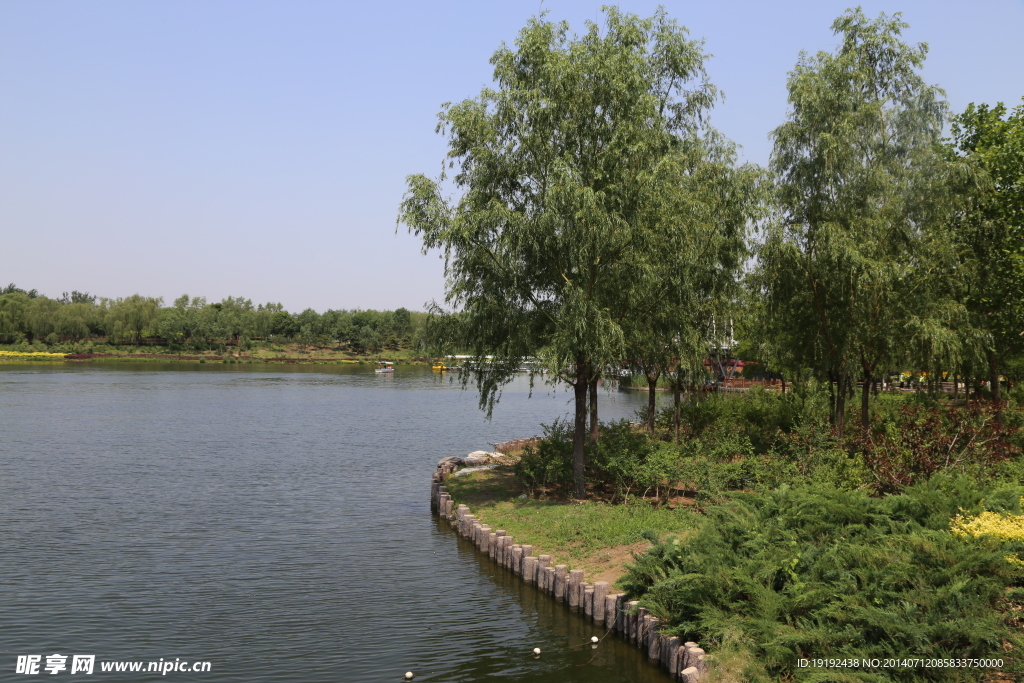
769	537
82	327
596	537
289	354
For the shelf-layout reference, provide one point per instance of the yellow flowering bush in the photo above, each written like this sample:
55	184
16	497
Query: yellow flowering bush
1000	526
29	355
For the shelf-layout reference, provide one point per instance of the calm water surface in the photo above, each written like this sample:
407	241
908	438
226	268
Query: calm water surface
274	523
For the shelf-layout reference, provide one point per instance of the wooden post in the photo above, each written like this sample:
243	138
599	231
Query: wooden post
631	615
517	559
641	627
485	538
692	653
575	578
560	571
549	579
690	675
495	543
527	551
610	610
653	642
600	593
678	658
620	617
670	654
529	569
543	562
588	600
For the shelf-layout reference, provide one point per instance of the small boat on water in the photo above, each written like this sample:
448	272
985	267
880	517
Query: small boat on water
385	366
439	366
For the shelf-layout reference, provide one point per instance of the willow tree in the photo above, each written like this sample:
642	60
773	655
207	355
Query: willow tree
543	245
839	269
698	215
989	229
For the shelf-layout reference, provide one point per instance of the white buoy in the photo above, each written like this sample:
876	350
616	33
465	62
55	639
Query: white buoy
408	675
536	650
595	639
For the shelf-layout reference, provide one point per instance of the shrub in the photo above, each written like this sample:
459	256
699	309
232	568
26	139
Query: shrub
819	573
548	465
924	440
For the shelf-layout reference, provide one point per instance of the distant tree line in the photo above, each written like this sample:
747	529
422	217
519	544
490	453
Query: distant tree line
26	315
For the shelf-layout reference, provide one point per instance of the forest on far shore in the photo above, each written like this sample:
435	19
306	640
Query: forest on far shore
76	321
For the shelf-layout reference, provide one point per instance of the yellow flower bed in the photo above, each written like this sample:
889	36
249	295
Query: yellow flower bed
1003	527
30	355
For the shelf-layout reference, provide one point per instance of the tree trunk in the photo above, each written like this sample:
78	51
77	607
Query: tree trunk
652	385
782	378
865	421
841	402
997	391
579	434
675	404
832	403
594	425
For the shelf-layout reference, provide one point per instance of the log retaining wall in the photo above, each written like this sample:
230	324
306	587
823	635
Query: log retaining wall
686	662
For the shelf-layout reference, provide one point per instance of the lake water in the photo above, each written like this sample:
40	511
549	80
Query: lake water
274	523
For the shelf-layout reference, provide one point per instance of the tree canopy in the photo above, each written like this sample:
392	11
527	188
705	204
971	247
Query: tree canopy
840	271
566	170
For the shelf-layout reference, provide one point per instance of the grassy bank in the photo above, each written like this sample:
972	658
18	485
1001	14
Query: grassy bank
594	536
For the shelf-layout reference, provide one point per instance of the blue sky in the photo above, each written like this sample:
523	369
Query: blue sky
259	149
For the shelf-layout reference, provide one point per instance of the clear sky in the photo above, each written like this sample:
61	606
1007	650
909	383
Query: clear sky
259	149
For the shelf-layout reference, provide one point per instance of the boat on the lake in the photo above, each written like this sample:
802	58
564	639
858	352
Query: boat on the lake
385	366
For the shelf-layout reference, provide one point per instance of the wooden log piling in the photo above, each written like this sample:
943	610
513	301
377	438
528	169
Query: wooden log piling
686	662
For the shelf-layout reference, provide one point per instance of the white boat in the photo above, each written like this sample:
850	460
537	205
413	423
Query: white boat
385	366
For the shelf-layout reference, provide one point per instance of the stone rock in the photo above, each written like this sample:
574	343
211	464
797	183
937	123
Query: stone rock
478	458
470	470
450	460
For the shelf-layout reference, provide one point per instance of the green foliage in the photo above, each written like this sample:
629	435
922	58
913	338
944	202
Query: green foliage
571	173
548	465
844	275
192	322
819	573
987	229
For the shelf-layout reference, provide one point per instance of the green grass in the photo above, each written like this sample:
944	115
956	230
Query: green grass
596	537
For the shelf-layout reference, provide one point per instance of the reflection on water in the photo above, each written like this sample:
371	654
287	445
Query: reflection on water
273	521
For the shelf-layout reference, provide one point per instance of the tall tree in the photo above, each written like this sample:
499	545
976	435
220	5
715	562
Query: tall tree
132	316
544	244
838	269
697	218
989	229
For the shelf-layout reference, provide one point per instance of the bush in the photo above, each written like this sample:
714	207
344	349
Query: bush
923	440
819	573
548	465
